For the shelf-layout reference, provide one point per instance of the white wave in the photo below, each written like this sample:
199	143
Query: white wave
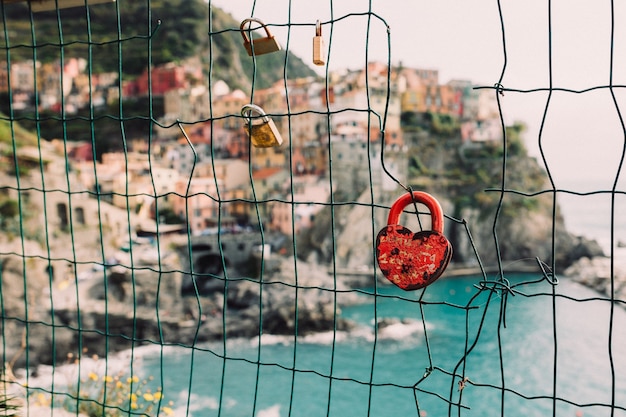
320	338
149	349
273	411
199	405
324	338
389	329
272	339
400	330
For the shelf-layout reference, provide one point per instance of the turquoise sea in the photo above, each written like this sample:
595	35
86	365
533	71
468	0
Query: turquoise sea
292	378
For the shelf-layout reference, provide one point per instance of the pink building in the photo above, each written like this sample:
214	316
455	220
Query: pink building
163	78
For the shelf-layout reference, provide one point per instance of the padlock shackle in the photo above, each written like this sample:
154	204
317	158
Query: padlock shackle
249	108
318	28
436	213
242	28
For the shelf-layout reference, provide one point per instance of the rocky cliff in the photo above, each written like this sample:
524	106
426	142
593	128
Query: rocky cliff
484	225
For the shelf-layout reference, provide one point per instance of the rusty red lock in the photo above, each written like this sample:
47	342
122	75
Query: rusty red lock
413	260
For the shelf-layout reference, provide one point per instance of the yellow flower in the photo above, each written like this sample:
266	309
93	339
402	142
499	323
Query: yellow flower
42	399
157	396
134	406
168	411
148	397
135	379
133	397
93	376
107	378
119	385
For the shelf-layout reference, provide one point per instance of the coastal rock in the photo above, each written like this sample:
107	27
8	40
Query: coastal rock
574	248
595	273
120	307
24	285
302	288
526	236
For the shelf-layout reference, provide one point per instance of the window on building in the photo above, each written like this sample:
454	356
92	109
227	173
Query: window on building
80	215
62	215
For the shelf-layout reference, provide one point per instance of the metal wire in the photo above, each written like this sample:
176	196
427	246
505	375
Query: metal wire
491	291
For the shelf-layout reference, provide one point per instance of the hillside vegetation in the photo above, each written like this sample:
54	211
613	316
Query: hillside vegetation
14	133
154	32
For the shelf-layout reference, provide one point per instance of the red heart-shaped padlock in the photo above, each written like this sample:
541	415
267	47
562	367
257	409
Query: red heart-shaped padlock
413	260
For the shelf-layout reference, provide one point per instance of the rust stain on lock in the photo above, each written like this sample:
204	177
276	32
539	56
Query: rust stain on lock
413	260
262	132
259	46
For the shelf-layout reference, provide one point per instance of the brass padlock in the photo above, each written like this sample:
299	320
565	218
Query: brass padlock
264	134
318	46
258	46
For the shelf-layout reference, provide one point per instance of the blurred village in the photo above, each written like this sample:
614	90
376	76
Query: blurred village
215	179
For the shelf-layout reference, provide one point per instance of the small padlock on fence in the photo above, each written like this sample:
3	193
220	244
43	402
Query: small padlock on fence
258	46
264	134
319	52
413	260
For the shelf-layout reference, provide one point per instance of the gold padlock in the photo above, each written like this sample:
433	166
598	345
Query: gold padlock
264	134
258	46
318	46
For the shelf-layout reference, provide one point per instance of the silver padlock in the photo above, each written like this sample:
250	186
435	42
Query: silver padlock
258	46
264	134
319	51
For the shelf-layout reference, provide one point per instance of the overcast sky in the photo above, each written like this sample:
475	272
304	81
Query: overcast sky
582	135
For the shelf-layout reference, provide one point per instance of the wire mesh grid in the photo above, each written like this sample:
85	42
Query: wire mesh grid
222	317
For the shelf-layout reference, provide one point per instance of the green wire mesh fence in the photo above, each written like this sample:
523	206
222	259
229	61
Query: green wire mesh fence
155	261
